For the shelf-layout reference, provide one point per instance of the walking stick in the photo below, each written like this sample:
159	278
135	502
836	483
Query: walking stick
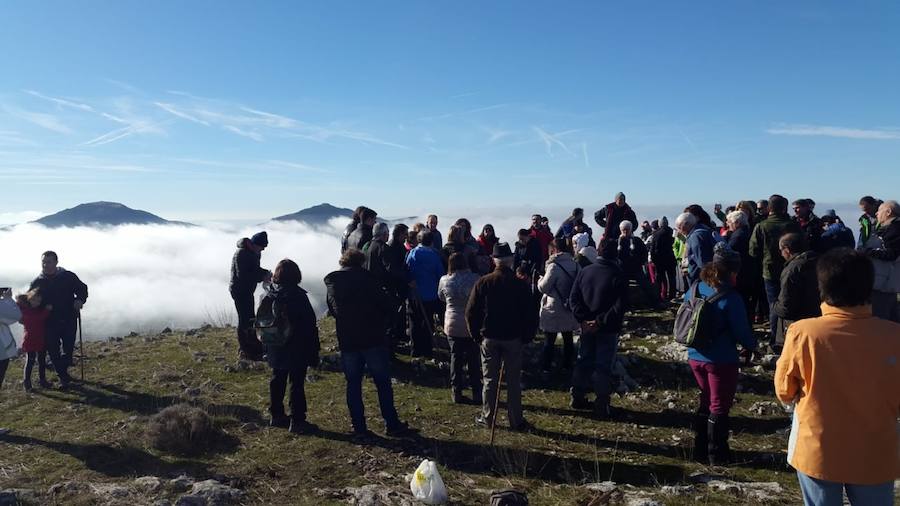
81	346
497	402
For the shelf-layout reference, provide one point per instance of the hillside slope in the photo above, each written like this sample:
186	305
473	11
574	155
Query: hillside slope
86	446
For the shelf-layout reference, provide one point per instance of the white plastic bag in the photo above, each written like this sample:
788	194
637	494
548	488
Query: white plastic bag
426	484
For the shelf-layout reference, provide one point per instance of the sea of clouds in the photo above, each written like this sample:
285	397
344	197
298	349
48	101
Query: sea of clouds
144	278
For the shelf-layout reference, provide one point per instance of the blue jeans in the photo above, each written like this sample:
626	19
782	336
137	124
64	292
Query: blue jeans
827	493
378	361
593	367
773	288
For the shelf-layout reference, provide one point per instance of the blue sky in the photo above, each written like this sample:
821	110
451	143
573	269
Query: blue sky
208	110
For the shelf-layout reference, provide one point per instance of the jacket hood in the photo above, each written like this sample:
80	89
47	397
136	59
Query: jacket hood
283	291
243	243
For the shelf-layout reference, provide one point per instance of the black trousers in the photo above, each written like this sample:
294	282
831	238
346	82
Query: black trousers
278	387
41	358
421	325
246	335
60	340
465	353
550	348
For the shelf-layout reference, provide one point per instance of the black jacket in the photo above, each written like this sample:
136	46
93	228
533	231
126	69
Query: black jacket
302	346
386	263
632	255
739	242
661	252
60	291
611	216
598	294
360	237
346	236
529	256
360	307
455	247
812	232
799	296
501	307
245	270
890	237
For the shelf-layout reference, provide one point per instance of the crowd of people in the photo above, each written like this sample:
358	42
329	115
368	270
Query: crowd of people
830	303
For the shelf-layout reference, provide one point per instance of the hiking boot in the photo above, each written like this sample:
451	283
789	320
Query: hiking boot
482	421
523	426
45	384
280	421
400	430
602	409
302	427
578	400
718	431
363	436
27	386
701	437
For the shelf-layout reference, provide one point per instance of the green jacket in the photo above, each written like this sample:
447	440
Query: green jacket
764	244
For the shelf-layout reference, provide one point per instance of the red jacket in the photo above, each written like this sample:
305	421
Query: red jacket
544	238
35	322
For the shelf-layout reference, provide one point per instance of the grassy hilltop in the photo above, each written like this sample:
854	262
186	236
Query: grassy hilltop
89	445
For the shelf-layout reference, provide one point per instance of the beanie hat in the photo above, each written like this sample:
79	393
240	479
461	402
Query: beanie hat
581	241
726	256
260	239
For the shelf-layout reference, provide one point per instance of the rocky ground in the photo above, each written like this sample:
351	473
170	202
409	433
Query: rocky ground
89	445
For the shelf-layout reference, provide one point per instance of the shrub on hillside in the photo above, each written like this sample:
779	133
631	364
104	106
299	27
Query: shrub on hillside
182	429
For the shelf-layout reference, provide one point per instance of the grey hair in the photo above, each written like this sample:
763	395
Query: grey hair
685	220
505	261
381	229
893	206
739	218
626	225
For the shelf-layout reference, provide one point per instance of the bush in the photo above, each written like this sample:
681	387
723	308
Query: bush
182	429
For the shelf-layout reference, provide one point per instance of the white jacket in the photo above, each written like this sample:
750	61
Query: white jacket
556	285
9	314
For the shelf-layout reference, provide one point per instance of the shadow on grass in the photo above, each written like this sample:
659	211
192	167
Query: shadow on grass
506	461
113	461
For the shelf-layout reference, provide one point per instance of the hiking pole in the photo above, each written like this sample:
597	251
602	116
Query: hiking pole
497	401
81	346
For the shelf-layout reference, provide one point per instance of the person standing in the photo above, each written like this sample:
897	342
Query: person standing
715	366
501	316
454	290
351	227
245	275
810	224
798	297
611	216
34	346
361	308
764	247
567	229
300	350
698	245
838	370
663	257
425	268
886	258
868	222
555	315
66	294
540	231
598	301
9	314
633	259
431	223
739	242
363	233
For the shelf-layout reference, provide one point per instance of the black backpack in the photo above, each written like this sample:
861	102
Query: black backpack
272	326
695	322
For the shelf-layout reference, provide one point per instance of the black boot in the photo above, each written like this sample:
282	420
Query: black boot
578	400
701	437
719	453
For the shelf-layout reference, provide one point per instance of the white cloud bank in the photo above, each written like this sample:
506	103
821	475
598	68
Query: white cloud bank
834	131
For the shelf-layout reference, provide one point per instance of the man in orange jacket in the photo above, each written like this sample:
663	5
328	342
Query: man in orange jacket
843	371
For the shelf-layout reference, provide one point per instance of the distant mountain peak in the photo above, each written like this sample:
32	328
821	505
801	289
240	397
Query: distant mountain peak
103	213
317	215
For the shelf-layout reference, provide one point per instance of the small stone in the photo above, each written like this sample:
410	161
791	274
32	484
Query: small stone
165	331
181	483
148	483
216	493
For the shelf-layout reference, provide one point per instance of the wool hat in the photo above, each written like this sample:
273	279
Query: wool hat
502	250
581	241
260	239
727	257
589	252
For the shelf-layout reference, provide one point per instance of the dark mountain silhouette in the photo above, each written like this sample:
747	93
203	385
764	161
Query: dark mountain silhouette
103	214
317	215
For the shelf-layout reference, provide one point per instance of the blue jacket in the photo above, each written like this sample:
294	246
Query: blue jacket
732	328
425	268
700	243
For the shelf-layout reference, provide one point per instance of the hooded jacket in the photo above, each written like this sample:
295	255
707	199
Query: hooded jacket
837	235
556	286
245	270
302	346
60	291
